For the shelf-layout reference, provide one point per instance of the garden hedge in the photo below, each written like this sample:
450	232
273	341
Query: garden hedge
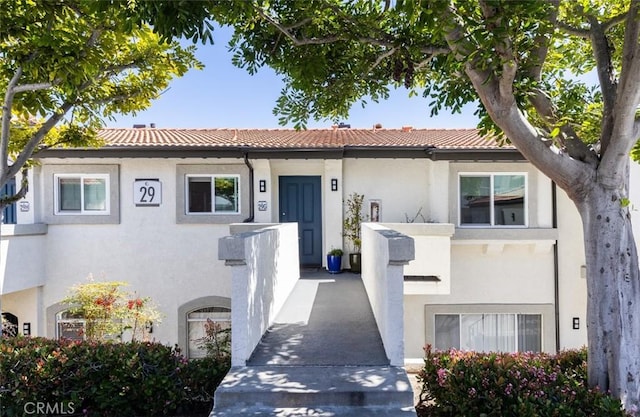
104	379
471	384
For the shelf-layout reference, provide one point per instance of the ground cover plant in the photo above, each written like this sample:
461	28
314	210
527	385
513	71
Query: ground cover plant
105	378
474	384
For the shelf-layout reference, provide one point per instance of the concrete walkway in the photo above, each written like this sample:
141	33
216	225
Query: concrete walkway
327	320
323	357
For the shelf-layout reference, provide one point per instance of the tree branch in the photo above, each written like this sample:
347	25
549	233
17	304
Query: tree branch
297	25
381	58
504	48
423	63
569	139
455	36
22	192
58	115
568	173
6	119
541	48
614	21
606	77
116	69
571	30
297	42
544	106
627	101
509	71
91	42
33	87
32	144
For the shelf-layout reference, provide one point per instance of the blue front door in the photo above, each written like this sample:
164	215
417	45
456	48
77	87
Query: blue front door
300	202
9	212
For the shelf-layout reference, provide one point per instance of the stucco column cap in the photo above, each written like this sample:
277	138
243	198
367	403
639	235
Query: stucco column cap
401	247
232	248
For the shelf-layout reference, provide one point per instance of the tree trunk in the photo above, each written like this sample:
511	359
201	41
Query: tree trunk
613	306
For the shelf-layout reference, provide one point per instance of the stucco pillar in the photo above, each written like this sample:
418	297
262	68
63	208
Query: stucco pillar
231	249
384	254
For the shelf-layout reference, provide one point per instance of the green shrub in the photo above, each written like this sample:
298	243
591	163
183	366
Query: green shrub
109	310
456	383
104	379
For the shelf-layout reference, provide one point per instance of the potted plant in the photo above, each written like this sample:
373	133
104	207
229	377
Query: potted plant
352	228
334	261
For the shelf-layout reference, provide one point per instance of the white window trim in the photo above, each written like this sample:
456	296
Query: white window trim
82	211
213	195
542	325
492	215
60	320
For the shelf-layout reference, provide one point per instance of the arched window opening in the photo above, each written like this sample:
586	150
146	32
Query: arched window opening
70	326
9	325
207	325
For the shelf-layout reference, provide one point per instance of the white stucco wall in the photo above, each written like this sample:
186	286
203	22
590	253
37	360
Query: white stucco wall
571	261
25	305
400	184
27	208
331	200
262	172
175	263
22	257
169	262
538	189
515	276
544	198
385	253
439	193
572	285
432	243
331	203
264	264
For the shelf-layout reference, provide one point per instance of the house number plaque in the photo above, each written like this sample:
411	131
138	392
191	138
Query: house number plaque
147	192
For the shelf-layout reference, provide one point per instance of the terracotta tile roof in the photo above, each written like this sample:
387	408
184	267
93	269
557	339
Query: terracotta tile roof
463	139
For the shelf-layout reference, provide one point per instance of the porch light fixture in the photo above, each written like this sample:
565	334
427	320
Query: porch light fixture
26	329
334	184
263	186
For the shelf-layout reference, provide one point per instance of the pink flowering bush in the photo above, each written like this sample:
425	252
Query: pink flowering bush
94	378
472	384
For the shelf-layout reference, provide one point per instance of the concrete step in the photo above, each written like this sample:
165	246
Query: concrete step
314	391
317	412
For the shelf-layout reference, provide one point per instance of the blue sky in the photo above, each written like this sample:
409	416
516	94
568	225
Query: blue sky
223	96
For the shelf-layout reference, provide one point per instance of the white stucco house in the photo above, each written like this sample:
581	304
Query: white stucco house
499	262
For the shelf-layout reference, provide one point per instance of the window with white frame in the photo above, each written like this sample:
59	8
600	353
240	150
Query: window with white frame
197	322
82	194
493	199
505	332
213	194
70	326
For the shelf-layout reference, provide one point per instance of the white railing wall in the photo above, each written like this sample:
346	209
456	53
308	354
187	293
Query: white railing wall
384	254
22	257
433	256
265	268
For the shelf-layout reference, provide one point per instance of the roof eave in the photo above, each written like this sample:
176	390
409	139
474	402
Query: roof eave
506	154
436	154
